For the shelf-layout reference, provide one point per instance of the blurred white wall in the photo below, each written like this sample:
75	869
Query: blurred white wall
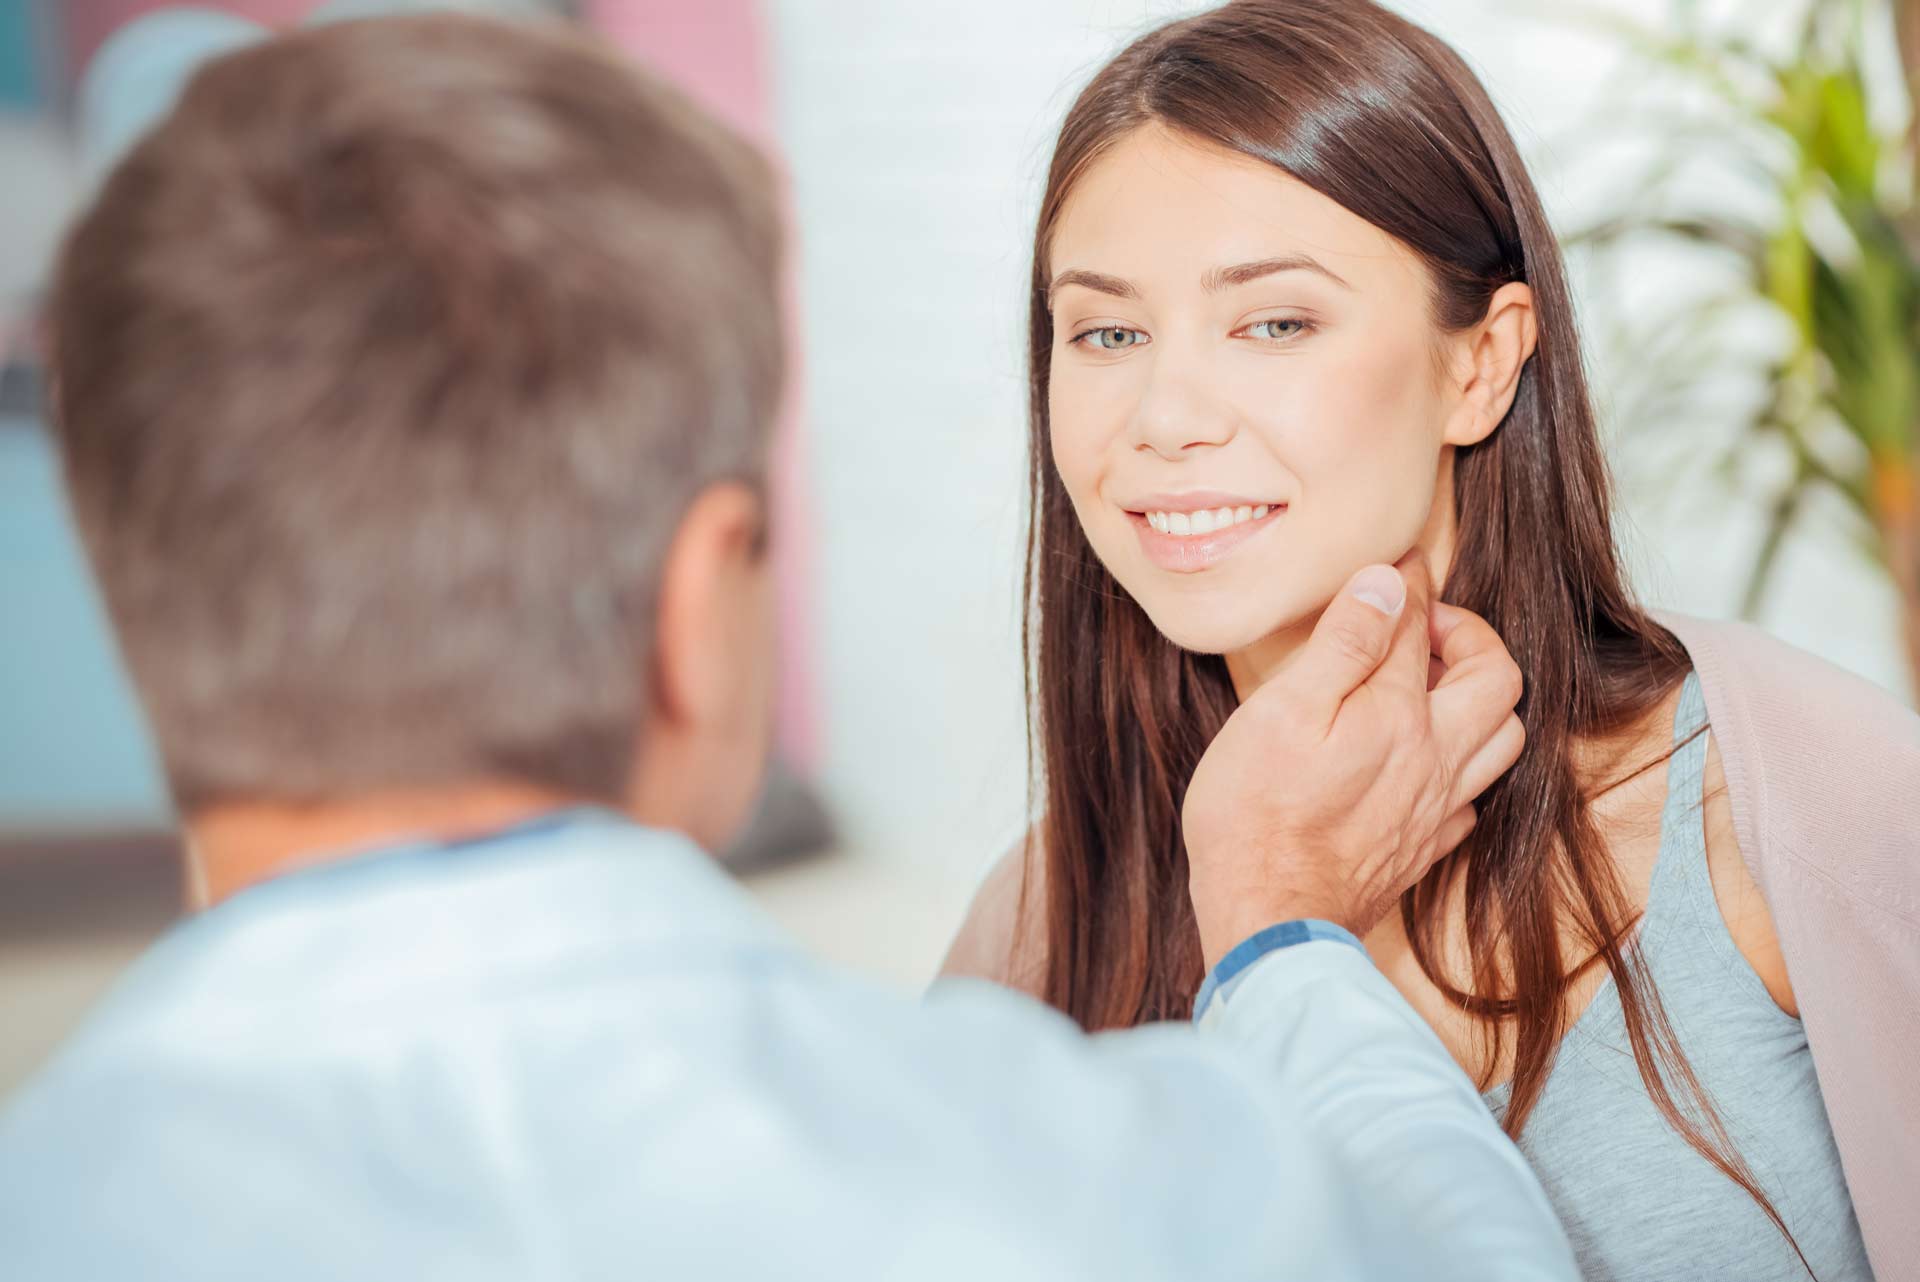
918	136
38	175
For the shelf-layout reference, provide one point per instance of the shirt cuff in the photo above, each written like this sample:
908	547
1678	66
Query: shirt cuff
1235	964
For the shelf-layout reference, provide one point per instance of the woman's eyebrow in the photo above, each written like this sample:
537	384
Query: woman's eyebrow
1098	282
1227	277
1213	282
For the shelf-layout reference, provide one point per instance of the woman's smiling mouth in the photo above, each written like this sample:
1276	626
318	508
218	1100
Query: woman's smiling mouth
1189	533
1206	521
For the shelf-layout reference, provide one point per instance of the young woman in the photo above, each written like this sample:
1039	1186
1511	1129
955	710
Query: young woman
1295	308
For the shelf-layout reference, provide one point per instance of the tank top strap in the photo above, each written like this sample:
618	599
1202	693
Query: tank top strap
1682	861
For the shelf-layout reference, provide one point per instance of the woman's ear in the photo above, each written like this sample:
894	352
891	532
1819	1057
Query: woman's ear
1487	365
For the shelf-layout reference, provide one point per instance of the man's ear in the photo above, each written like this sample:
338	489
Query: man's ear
703	744
708	584
1487	362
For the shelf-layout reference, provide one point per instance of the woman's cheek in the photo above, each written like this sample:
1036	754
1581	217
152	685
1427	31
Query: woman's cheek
1076	457
1366	488
1070	458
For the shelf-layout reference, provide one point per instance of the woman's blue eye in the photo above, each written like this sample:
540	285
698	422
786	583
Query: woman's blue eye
1273	325
1114	338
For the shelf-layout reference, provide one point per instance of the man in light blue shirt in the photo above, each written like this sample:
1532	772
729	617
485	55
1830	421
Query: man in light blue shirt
415	378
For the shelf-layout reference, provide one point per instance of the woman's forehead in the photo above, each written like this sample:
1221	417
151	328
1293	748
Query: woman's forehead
1158	202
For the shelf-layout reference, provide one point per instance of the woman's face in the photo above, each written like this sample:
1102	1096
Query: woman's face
1249	399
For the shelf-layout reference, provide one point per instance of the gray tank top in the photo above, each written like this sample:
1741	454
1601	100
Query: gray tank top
1638	1202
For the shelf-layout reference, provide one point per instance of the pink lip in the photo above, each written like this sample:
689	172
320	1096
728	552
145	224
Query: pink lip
1194	501
1192	553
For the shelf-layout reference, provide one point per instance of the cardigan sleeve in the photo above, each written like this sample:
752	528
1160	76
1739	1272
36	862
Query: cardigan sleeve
1823	775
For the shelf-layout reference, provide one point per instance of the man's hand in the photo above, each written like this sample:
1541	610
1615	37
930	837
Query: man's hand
1343	779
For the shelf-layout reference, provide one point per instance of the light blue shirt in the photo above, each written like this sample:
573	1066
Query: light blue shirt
577	1050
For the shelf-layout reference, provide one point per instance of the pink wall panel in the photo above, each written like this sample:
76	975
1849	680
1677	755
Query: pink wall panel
715	49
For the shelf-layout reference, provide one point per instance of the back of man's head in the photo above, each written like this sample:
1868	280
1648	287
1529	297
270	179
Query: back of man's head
387	366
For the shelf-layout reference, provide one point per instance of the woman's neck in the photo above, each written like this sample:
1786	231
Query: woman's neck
1267	658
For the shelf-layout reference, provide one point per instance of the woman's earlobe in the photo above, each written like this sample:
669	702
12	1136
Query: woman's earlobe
1472	423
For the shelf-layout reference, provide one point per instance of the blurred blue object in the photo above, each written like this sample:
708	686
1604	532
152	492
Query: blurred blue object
74	752
133	81
22	84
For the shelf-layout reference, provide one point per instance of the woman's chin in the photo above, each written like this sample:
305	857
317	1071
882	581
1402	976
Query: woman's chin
1215	634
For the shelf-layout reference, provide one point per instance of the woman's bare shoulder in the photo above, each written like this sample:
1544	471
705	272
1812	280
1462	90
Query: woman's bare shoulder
1003	937
1742	906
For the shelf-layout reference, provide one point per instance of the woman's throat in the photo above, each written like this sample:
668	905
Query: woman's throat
1267	658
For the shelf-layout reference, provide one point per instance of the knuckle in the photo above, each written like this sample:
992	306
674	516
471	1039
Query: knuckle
1517	733
1409	734
1354	642
1513	683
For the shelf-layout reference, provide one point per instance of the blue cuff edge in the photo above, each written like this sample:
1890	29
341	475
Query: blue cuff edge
1257	945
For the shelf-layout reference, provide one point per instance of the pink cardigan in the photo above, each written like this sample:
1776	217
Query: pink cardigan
1823	773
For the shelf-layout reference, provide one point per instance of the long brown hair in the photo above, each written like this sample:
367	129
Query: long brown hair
1384	118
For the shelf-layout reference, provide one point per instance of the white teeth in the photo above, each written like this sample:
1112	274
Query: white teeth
1206	521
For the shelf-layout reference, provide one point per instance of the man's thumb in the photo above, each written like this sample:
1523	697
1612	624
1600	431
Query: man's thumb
1354	634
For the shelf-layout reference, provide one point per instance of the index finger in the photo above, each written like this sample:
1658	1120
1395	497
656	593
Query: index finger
1406	662
1453	636
1481	686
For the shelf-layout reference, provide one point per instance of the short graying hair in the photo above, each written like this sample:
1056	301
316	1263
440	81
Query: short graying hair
386	367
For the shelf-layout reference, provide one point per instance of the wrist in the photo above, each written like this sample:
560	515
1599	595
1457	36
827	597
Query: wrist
1224	927
1224	976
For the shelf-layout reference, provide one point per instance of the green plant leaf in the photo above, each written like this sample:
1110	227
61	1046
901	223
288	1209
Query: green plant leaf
1843	144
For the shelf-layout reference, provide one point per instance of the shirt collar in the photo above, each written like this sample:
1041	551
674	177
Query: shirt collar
573	888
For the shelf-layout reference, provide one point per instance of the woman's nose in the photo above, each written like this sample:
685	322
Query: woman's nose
1175	416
